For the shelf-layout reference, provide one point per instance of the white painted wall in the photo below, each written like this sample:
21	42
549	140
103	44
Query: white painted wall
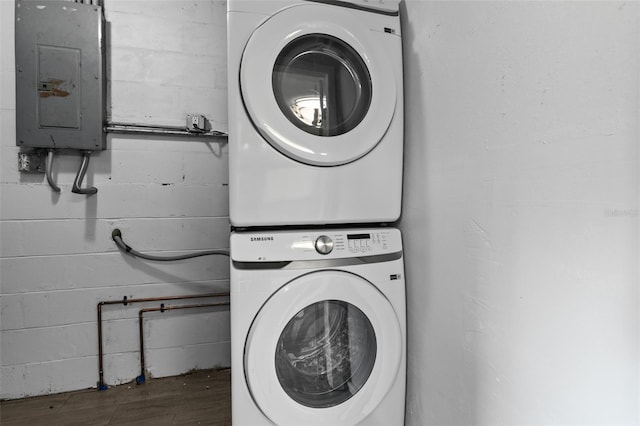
167	58
521	212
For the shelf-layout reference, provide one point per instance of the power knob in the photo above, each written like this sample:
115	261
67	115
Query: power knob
324	244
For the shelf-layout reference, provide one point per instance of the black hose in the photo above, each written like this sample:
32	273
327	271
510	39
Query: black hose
116	235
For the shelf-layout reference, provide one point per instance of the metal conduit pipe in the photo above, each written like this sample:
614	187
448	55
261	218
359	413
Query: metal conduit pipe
134	128
141	378
125	301
77	183
48	167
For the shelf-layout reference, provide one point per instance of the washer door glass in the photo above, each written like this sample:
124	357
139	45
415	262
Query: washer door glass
324	349
325	354
322	85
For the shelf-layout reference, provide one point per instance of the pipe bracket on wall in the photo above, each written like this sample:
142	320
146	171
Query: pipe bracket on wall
77	183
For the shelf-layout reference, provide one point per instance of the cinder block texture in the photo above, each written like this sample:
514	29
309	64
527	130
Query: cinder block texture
167	195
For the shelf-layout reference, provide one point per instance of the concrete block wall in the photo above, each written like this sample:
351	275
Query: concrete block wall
167	194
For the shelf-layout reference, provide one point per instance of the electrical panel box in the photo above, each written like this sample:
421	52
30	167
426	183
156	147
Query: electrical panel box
60	75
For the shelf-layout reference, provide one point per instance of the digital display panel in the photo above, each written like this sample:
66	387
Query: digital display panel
358	236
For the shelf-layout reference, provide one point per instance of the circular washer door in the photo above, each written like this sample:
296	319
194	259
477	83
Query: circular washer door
324	349
317	85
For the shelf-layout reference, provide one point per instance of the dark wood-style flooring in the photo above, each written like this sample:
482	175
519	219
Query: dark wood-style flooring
199	398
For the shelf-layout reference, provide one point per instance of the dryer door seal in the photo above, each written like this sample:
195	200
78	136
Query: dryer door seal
352	326
317	85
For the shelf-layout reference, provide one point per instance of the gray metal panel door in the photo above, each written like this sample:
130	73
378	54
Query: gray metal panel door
60	75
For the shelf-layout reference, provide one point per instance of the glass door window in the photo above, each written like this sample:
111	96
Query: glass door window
325	354
325	348
317	85
322	85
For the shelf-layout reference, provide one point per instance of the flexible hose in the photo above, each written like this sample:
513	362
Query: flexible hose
47	169
77	183
116	235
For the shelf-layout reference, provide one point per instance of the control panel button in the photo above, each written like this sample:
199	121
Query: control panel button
324	244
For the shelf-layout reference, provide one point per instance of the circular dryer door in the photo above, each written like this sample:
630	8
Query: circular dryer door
324	349
317	85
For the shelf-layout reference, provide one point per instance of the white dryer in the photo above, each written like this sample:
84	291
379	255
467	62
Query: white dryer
318	327
315	112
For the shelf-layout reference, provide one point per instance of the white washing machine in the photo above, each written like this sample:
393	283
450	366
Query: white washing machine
318	327
315	112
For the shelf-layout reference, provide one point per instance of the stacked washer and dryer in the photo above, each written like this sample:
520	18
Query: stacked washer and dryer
318	322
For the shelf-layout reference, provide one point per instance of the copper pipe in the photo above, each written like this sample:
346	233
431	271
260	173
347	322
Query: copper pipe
125	301
141	378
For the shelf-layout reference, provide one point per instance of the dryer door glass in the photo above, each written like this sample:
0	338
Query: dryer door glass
325	354
322	85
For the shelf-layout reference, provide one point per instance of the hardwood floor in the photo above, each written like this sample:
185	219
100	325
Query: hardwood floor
199	398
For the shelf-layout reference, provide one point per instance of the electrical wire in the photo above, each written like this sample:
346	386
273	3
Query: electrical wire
116	235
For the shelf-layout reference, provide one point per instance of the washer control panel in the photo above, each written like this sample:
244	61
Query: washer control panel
274	246
366	242
324	244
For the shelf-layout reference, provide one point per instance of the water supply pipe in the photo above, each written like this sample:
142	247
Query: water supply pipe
162	308
125	301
